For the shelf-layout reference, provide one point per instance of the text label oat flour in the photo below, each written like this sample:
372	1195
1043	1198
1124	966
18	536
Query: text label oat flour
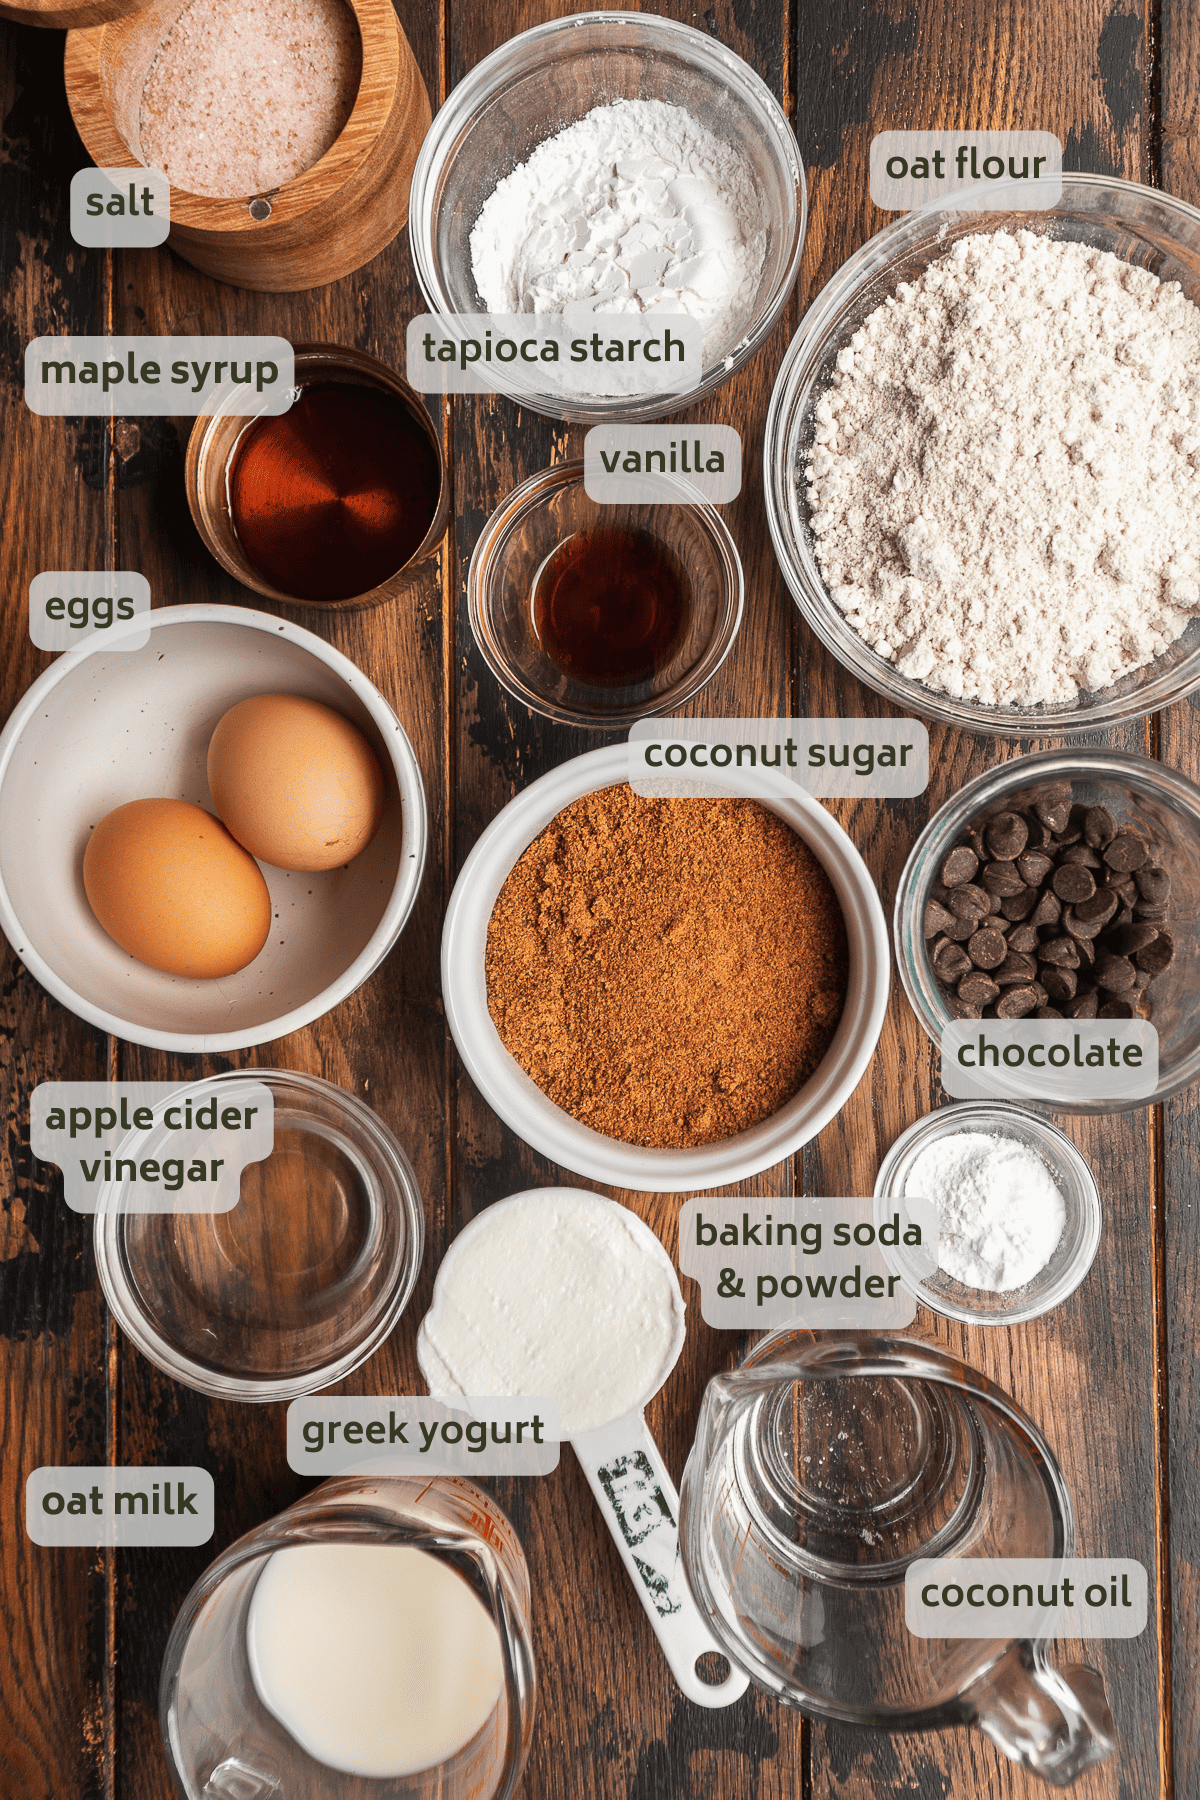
972	171
1050	1060
67	607
832	759
817	1262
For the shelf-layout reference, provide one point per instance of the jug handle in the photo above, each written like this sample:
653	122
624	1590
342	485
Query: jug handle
1055	1722
638	1503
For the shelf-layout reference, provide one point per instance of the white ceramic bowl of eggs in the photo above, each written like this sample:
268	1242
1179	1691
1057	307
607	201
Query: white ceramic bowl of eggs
107	725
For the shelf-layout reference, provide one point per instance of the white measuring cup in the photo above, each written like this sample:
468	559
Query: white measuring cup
636	1496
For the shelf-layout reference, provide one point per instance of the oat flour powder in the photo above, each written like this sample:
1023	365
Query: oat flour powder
1005	479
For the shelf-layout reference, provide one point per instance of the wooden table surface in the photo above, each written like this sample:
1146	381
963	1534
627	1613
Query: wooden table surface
1110	1376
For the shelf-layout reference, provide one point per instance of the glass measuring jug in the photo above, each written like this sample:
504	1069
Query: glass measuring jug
823	1468
222	1741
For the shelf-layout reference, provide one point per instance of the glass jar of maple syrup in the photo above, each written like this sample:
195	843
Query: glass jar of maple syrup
599	615
334	503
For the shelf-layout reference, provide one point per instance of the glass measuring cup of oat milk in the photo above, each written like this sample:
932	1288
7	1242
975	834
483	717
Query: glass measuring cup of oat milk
287	1673
821	1469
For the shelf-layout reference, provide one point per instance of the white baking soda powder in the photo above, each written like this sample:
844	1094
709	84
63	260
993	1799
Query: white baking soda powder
1000	1211
377	1658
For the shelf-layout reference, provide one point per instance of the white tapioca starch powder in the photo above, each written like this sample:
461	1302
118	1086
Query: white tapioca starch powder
1005	479
635	208
1000	1211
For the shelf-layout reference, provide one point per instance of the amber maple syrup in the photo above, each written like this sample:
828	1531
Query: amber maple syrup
611	607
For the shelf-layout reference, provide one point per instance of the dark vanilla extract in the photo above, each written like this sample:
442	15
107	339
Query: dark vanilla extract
333	497
611	607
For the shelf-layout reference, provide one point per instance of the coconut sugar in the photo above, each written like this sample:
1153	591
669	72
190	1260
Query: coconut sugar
247	94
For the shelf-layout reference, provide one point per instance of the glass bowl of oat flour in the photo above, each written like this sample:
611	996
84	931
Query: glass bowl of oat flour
687	195
1005	486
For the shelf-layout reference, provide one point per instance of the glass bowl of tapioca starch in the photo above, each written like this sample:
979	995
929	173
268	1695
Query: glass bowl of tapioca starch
983	461
613	164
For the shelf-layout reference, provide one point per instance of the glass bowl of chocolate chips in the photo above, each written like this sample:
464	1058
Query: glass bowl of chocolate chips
1061	885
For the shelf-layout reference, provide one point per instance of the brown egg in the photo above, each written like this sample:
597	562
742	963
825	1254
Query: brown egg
295	782
170	885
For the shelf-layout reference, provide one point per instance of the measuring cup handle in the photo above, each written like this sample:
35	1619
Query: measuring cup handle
641	1509
1055	1722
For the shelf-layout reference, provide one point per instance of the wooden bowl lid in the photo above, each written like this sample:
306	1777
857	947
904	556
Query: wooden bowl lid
67	15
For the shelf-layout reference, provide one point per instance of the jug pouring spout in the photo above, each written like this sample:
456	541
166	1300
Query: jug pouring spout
1056	1723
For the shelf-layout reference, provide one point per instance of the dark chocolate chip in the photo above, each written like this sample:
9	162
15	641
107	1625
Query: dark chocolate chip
1047	1012
1084	1006
963	1009
1054	814
1101	907
1060	953
1023	938
1015	969
1019	906
1132	938
959	866
937	917
1114	973
1017	1002
951	962
1002	878
978	989
1098	827
1125	853
1048	910
1033	866
1153	884
961	929
1073	883
1115	1009
987	948
1060	984
969	901
1159	955
1079	928
1144	910
1087	951
1081	854
1006	836
1124	916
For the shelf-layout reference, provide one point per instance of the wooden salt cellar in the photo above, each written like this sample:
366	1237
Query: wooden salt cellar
331	219
66	15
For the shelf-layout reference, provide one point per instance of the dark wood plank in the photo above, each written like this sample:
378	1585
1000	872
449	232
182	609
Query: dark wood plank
386	1043
1178	143
55	1612
1086	1372
612	1721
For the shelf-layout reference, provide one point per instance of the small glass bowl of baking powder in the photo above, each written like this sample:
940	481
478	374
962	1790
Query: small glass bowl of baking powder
544	80
1140	225
1144	797
1076	1248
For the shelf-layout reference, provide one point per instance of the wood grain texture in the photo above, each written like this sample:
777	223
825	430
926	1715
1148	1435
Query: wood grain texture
613	1723
1086	1373
55	1701
1178	121
73	1723
324	224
